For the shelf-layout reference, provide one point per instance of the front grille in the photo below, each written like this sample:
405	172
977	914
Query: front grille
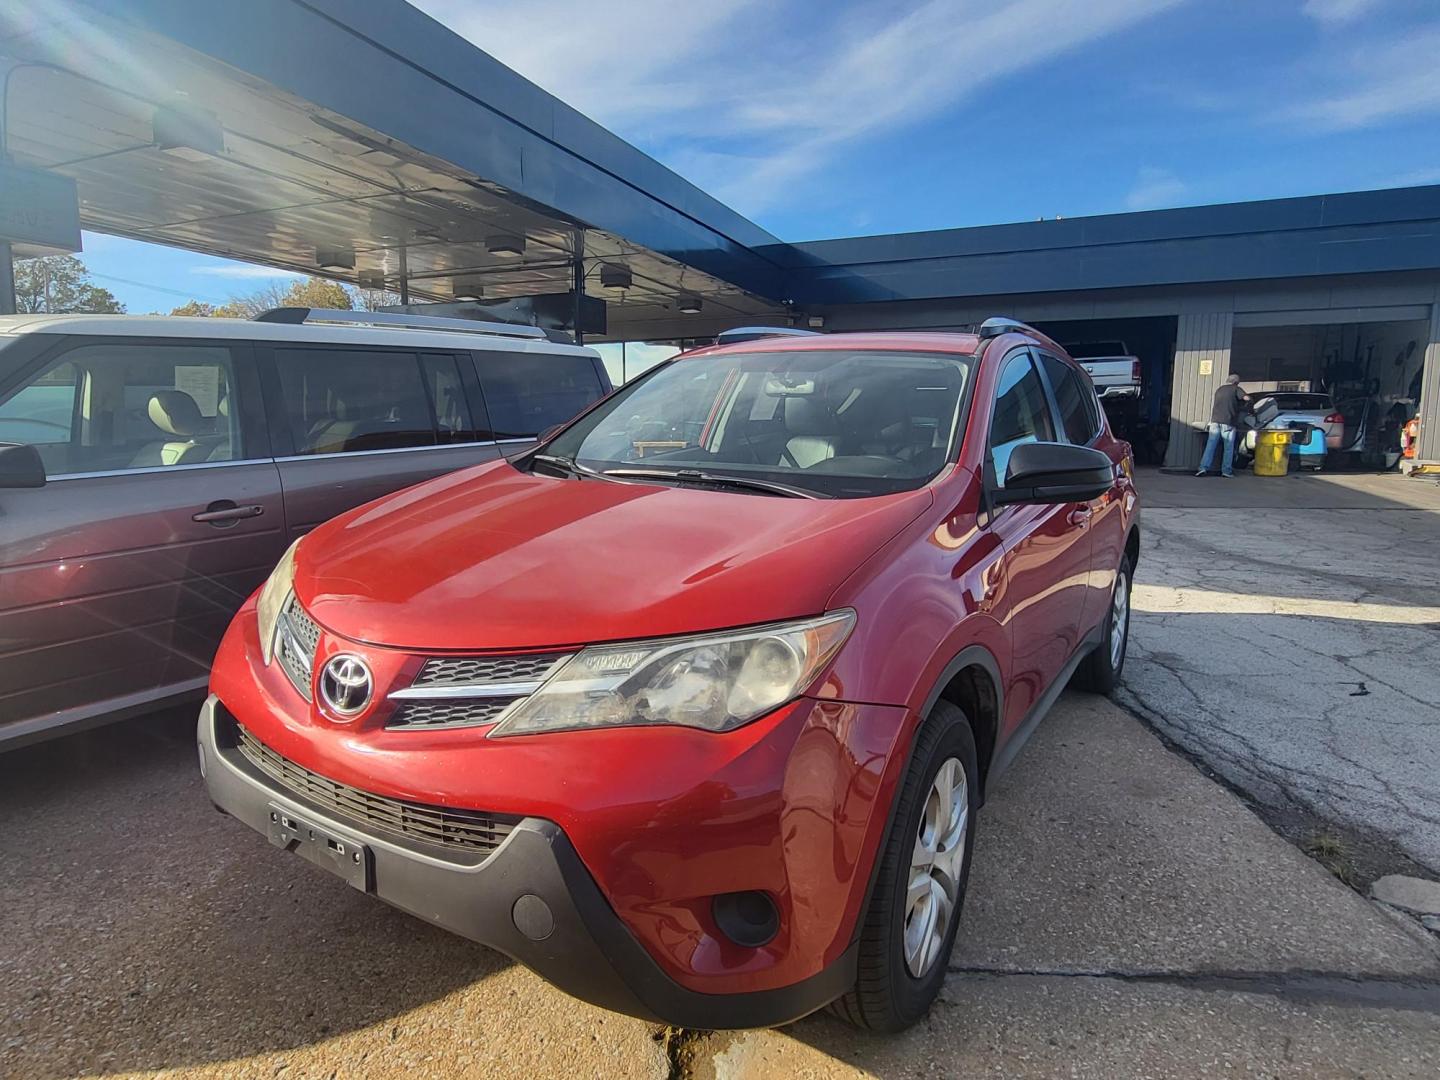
455	712
305	629
480	670
472	830
296	649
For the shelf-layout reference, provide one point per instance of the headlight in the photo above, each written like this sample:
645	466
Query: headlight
716	681
272	599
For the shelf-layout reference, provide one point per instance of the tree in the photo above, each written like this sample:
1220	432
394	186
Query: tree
306	292
318	293
59	284
194	307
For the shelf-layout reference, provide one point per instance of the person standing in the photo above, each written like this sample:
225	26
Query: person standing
1224	417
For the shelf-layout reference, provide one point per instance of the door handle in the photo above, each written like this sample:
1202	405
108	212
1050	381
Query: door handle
224	512
1080	517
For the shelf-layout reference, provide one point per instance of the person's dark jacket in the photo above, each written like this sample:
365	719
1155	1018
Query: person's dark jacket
1229	404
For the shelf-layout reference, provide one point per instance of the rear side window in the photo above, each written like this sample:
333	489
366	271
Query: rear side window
343	400
124	405
1079	416
1022	415
526	393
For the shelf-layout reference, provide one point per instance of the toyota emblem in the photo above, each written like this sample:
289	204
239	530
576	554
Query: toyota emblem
346	685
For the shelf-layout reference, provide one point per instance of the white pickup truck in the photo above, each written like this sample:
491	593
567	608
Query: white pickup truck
1113	369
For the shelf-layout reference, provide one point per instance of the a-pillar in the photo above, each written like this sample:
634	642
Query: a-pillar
1202	361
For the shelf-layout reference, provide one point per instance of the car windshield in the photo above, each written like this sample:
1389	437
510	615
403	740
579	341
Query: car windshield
840	423
1291	401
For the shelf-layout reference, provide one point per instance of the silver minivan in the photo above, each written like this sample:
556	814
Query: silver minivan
154	469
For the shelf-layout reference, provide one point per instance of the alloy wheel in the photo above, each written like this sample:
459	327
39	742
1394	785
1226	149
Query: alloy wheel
1119	619
935	867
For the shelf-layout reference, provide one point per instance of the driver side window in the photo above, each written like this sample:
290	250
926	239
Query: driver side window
1021	414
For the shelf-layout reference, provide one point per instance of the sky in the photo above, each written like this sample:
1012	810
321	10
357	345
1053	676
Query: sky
847	117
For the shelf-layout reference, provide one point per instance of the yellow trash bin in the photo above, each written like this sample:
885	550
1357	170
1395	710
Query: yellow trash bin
1272	453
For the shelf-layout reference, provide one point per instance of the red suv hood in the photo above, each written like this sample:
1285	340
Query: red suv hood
493	558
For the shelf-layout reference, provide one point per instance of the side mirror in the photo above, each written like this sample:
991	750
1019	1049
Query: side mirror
20	466
1044	472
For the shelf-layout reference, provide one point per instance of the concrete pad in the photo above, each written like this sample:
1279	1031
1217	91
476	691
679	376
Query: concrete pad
1415	895
1027	1026
1100	850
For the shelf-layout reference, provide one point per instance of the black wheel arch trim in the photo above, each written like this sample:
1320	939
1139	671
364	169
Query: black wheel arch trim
970	656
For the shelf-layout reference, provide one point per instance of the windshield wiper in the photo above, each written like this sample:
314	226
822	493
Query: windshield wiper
719	480
569	465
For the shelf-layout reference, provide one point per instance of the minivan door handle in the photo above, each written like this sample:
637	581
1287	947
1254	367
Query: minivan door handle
223	512
1080	517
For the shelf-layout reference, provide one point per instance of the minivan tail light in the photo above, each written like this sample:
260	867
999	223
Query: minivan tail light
1335	418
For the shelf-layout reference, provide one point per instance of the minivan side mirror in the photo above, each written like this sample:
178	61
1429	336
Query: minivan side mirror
1046	472
20	466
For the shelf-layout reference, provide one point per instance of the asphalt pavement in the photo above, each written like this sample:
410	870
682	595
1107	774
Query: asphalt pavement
1287	635
1127	917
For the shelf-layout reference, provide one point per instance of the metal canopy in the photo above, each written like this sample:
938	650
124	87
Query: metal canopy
300	186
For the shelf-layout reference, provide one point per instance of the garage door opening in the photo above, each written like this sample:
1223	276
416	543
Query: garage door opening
1368	371
1142	420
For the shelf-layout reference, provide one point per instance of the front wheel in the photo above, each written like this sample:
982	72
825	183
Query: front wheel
1100	671
910	926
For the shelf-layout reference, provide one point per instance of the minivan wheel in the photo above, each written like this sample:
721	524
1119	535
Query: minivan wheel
1100	671
909	929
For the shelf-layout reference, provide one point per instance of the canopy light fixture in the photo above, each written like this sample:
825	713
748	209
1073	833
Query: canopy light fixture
505	244
371	279
467	288
186	132
688	303
335	258
615	277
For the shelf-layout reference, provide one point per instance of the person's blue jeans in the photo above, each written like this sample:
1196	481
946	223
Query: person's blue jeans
1218	432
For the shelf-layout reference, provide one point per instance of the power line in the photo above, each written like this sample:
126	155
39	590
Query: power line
160	288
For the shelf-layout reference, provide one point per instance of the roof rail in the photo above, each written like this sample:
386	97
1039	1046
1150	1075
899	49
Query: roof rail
755	333
994	327
296	316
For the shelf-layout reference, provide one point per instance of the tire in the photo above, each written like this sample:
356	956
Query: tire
1100	672
888	996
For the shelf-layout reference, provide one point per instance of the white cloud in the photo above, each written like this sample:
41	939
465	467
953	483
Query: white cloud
1338	11
1383	83
1155	188
749	99
245	272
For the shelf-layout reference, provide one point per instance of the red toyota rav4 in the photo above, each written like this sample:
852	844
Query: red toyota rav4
691	709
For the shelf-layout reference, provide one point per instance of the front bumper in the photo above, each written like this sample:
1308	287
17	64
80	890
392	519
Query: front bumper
535	879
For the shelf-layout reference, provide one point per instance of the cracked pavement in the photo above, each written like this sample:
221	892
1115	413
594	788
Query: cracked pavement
1287	635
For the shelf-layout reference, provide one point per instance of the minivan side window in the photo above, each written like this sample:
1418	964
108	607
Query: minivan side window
526	393
120	406
1079	415
340	400
1022	414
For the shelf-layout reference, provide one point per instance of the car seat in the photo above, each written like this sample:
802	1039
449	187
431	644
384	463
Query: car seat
175	413
812	432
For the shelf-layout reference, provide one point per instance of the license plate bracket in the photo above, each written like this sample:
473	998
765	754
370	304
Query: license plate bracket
341	855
